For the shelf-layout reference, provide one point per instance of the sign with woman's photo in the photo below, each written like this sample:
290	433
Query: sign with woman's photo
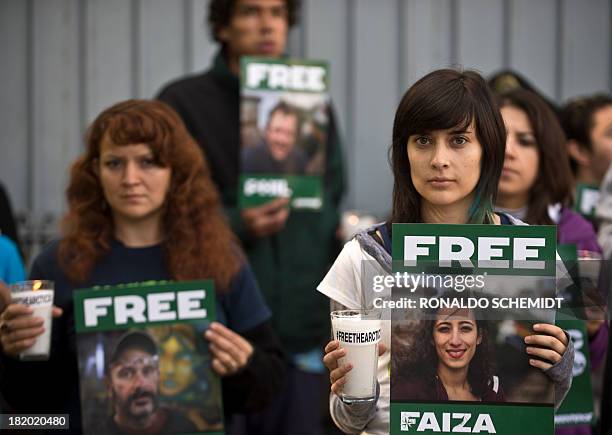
463	357
144	366
284	118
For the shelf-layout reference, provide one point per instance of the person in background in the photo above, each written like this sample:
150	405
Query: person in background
289	251
11	266
142	207
587	122
536	187
536	180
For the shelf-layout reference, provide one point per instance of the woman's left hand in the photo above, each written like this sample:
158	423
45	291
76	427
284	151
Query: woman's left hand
549	343
231	352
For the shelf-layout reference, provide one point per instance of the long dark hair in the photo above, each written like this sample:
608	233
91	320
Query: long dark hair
554	180
419	357
446	99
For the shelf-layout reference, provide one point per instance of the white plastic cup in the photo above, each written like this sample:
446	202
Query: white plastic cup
358	332
37	295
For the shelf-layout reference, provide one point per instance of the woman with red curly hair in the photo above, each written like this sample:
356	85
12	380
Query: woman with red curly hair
142	207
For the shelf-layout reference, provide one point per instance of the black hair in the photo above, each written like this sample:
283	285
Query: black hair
445	99
220	14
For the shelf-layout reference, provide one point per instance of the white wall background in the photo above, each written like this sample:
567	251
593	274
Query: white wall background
65	60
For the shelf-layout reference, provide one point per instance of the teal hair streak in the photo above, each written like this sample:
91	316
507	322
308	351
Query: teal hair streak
480	212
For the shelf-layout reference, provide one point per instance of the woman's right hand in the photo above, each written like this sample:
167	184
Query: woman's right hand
19	328
337	373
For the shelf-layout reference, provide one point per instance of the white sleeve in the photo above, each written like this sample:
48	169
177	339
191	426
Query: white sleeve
343	281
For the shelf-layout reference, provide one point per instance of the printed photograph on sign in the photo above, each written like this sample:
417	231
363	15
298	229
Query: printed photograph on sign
284	121
144	365
459	337
160	375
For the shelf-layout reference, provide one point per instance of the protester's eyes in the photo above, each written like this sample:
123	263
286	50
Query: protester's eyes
526	141
422	140
147	162
112	163
467	328
443	329
460	140
280	11
248	11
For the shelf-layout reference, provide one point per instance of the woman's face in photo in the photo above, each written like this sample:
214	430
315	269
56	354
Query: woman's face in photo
445	165
134	185
455	337
522	157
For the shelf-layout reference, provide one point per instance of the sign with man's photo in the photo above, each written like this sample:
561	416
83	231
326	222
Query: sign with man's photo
284	120
144	365
474	296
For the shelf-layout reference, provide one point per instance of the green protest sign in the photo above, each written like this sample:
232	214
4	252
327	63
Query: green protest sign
142	355
123	307
493	249
286	75
432	418
305	192
577	407
587	197
458	356
284	119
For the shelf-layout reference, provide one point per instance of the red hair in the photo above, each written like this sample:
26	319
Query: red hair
197	240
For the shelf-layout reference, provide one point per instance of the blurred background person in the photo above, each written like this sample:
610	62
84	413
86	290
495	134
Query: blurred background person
536	181
587	122
290	252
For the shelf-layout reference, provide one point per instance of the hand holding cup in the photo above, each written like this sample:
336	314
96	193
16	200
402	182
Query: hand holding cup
337	372
24	321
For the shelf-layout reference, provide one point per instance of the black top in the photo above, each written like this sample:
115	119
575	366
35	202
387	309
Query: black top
53	386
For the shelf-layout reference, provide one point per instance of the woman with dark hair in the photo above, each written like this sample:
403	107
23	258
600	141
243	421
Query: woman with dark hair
536	182
142	207
450	347
447	155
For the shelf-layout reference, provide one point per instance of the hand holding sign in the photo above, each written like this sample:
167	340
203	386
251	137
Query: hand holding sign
549	344
231	352
19	328
266	219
